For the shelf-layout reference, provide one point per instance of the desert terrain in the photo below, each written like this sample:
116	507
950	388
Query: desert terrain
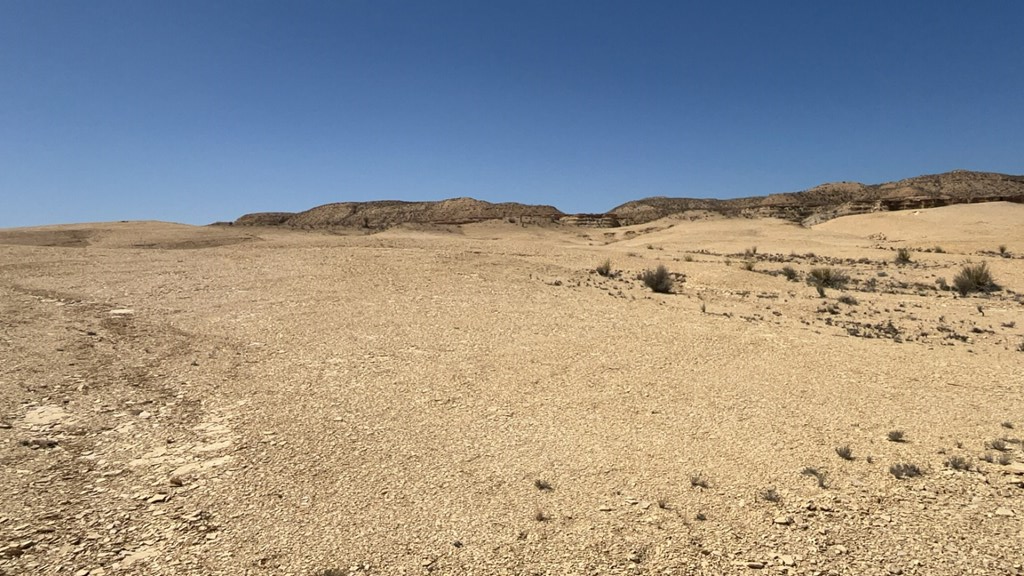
477	399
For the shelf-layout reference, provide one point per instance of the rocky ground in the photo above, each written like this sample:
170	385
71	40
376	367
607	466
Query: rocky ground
479	400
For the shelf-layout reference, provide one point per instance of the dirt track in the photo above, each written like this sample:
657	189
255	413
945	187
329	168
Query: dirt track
257	401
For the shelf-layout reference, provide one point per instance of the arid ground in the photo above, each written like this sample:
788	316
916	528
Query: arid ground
478	400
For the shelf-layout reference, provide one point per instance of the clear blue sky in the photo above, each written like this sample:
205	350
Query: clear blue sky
195	111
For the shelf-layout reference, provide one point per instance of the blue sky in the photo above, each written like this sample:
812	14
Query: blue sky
196	111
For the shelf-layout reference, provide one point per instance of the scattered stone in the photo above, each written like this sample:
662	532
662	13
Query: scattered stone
787	560
783	520
605	508
121	312
5	426
176	481
145	415
839	550
157	498
1004	512
755	565
1014	468
37	443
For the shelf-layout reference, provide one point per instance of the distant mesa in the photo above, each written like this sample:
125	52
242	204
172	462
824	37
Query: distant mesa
809	207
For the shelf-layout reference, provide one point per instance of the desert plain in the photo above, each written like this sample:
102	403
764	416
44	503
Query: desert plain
477	399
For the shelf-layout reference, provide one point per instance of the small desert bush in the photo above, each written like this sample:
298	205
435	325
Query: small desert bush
848	300
540	516
771	495
903	256
819	475
658	280
1002	249
974	278
790	273
542	485
604	268
896	436
828	277
750	252
845	452
822	278
698	480
998	444
958	463
749	265
688	258
905	470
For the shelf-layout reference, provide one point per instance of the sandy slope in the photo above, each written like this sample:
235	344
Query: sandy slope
273	402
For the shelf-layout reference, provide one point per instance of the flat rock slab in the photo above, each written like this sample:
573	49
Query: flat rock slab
46	416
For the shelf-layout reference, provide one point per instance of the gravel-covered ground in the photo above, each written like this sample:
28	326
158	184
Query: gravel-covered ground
477	400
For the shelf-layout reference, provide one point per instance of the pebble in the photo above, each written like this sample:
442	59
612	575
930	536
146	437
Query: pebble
605	508
787	560
1004	512
157	498
784	520
755	565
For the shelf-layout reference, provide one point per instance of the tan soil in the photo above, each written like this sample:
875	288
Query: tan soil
180	400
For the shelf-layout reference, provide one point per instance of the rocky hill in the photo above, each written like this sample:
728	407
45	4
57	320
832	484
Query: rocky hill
829	201
388	213
809	207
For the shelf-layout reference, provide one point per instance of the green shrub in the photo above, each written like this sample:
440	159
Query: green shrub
658	280
974	278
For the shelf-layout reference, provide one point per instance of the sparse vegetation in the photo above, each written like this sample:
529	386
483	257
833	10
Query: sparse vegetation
749	265
658	280
540	516
848	299
790	273
1004	459
698	480
663	504
688	258
1007	424
700	517
958	463
822	278
998	445
749	253
896	436
938	250
820	475
903	256
604	268
974	278
905	470
988	457
771	495
845	452
1002	250
542	485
